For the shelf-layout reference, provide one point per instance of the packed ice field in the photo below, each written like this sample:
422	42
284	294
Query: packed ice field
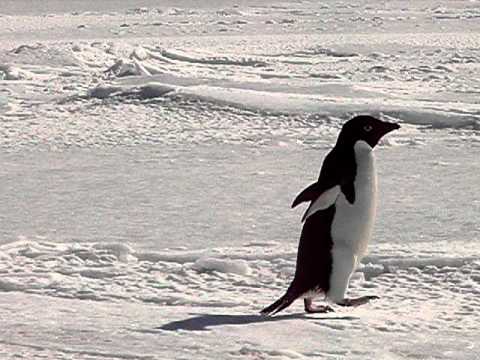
150	153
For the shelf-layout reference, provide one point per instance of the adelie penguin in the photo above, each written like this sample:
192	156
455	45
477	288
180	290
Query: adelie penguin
339	220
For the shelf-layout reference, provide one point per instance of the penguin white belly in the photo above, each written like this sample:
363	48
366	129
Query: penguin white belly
353	223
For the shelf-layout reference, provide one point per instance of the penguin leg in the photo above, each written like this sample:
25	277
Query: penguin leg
357	301
309	308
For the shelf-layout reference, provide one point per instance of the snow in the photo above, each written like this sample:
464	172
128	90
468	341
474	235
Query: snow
157	306
12	73
225	266
150	152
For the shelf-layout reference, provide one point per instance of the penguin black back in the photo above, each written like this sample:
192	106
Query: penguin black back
312	256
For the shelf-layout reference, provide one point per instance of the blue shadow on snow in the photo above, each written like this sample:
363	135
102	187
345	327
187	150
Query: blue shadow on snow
204	321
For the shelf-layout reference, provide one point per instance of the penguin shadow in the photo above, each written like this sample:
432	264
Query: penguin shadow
202	322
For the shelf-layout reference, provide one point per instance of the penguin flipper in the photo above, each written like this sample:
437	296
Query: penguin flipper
310	193
330	176
282	303
324	201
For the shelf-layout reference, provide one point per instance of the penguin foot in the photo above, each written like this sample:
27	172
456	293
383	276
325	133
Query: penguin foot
309	308
357	301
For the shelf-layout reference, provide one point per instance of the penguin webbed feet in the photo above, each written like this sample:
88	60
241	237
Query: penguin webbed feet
310	309
357	301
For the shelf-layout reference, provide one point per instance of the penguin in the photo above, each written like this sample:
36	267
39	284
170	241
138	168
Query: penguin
338	222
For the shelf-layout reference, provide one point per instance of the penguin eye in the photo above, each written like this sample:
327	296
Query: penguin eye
367	128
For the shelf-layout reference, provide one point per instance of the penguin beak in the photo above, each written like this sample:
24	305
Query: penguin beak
388	126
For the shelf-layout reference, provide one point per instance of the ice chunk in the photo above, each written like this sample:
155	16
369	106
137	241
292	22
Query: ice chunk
9	72
121	251
239	267
102	92
154	90
3	101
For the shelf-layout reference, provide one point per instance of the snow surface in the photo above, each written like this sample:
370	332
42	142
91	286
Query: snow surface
150	152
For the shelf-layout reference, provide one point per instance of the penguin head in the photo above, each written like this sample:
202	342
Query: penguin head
366	128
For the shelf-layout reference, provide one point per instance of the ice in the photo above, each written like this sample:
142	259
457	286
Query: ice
73	270
122	68
211	60
102	91
172	256
150	153
8	72
226	266
129	295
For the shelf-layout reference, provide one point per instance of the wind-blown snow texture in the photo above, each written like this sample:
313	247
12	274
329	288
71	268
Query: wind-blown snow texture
149	154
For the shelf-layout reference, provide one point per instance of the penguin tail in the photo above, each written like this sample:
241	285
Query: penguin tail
279	305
